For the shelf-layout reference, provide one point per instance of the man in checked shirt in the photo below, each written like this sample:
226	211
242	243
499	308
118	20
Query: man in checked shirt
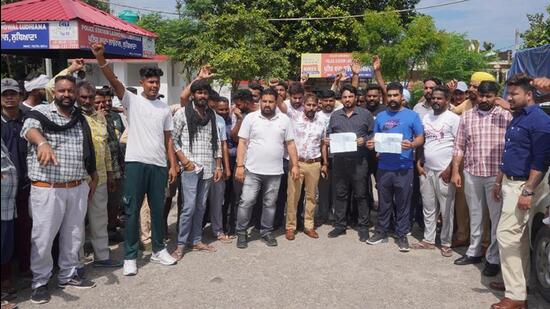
309	130
480	143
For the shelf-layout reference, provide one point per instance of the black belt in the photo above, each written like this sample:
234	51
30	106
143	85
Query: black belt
517	178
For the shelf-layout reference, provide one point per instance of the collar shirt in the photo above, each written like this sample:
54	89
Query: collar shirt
66	145
202	153
527	143
17	146
98	127
308	134
360	122
480	140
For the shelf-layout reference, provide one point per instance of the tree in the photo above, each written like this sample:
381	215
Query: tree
488	46
538	33
454	60
402	48
305	36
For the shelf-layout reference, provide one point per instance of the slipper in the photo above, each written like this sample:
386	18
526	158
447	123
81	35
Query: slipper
204	247
446	251
225	238
177	254
423	245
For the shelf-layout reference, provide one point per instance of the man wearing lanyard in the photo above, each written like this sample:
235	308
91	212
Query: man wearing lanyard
519	185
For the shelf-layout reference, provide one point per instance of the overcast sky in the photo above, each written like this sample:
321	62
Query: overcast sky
484	20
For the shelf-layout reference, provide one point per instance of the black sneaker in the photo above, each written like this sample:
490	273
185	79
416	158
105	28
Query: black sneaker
242	242
363	235
40	295
78	283
403	244
377	238
336	232
269	240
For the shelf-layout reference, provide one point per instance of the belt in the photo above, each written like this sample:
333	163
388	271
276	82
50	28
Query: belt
309	160
516	178
66	185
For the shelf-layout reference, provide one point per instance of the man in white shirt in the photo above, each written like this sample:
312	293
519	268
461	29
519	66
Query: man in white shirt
434	168
149	148
262	137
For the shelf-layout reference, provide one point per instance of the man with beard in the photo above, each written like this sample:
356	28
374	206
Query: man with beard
148	150
243	105
261	140
374	99
395	171
281	88
472	92
199	151
97	208
36	90
520	186
350	168
75	66
422	108
309	130
434	168
480	144
296	103
59	193
256	90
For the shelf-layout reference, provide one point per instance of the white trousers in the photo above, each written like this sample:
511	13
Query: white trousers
437	197
97	218
478	195
56	210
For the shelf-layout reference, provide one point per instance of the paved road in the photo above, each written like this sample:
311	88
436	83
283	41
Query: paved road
305	273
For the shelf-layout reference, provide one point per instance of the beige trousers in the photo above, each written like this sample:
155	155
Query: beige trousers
309	174
145	222
513	236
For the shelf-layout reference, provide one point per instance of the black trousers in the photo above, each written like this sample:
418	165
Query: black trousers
350	175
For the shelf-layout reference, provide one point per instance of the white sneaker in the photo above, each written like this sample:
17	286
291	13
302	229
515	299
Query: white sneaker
163	257
130	268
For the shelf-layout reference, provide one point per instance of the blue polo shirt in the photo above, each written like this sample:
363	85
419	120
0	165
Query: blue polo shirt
406	122
527	143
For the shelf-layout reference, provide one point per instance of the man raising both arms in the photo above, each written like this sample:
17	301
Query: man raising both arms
149	147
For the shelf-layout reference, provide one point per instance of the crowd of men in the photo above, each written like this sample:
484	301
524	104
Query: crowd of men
468	162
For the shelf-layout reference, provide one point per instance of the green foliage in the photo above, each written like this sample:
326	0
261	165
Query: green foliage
401	47
538	33
454	60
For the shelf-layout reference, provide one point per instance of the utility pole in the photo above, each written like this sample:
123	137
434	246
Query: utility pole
179	5
516	41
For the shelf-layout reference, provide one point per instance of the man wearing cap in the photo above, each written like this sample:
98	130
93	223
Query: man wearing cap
12	123
36	88
473	98
520	186
459	94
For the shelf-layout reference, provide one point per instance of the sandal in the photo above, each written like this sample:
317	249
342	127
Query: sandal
203	247
226	239
178	254
446	251
423	245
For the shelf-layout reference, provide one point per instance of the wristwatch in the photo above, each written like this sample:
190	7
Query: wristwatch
526	192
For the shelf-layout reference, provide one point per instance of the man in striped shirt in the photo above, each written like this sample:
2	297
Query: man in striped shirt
480	143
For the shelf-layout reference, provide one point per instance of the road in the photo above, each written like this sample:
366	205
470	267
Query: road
304	273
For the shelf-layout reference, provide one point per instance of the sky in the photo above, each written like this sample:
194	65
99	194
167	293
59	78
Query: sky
484	20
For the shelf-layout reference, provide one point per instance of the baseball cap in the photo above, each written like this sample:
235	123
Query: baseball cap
10	84
461	86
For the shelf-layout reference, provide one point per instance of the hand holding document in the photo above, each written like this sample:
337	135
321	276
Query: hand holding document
343	142
388	142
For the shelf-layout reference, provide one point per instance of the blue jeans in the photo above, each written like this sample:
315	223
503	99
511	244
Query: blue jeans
253	184
195	192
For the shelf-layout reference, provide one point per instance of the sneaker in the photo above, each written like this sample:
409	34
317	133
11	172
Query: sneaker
270	240
40	295
363	235
403	244
336	232
163	257
377	238
107	263
130	268
78	283
242	242
81	272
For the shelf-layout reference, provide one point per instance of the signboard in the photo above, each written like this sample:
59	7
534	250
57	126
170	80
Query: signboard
25	36
74	35
328	65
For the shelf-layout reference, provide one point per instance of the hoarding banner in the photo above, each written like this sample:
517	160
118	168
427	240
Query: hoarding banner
330	64
116	42
25	36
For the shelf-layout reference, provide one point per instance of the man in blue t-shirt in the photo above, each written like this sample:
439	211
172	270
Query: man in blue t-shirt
395	171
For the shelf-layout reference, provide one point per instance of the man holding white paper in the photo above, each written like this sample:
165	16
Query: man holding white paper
395	170
350	163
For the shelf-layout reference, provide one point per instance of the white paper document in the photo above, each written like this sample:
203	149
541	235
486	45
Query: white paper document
343	142
388	142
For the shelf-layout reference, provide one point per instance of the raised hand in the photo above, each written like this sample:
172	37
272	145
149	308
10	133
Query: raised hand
97	49
376	63
206	72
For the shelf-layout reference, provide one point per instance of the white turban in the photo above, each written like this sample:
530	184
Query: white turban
37	83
